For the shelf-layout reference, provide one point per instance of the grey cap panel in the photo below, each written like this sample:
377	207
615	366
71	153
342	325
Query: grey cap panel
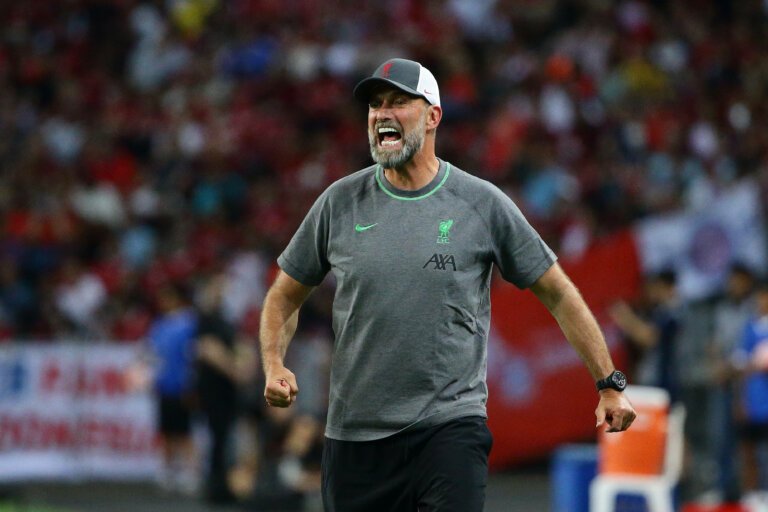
405	72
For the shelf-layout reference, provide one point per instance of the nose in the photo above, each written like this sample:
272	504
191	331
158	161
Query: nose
383	113
379	118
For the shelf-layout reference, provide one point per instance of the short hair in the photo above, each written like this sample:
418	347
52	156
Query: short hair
741	268
666	276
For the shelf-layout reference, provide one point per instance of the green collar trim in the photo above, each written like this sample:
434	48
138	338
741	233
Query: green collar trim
416	198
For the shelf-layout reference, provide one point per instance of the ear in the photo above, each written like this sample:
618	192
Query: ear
434	115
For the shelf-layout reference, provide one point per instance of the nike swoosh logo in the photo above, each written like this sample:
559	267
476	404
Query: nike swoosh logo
360	228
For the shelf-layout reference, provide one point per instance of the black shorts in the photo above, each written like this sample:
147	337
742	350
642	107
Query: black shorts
173	416
442	468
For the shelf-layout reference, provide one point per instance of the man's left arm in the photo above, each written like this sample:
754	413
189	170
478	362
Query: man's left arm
563	300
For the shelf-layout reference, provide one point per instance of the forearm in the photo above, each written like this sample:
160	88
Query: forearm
563	300
580	328
583	332
279	319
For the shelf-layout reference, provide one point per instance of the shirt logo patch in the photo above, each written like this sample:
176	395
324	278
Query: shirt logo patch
444	228
360	228
441	262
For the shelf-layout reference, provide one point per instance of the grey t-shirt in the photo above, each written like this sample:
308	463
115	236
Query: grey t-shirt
412	307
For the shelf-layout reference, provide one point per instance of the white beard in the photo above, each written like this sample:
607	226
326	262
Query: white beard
390	159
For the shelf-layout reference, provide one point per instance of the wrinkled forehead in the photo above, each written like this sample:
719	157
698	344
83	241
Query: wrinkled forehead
384	91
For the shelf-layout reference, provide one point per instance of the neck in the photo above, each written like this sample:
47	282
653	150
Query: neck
416	174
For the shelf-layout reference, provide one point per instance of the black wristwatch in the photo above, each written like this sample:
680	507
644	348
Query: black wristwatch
615	380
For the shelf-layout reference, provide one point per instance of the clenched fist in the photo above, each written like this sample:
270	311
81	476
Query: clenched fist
281	388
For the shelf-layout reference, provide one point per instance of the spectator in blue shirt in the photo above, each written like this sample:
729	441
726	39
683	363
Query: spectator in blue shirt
172	341
752	360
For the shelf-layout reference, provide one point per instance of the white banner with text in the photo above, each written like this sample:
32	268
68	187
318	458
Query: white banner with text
67	412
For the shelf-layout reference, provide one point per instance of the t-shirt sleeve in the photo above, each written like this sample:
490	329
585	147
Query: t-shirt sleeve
741	353
518	250
306	257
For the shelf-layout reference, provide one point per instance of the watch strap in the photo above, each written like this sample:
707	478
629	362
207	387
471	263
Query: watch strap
616	380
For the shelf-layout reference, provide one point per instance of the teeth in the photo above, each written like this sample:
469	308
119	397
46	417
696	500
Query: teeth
387	130
390	142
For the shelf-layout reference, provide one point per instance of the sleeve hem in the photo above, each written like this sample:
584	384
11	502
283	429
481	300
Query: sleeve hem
538	271
294	271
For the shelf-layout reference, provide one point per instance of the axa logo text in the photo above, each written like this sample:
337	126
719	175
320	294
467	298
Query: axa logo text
441	262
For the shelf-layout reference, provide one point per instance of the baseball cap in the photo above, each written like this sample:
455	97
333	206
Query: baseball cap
406	75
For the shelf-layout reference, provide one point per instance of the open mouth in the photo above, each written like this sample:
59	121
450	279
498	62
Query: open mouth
389	136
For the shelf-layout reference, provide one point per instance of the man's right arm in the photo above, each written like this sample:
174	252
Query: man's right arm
279	317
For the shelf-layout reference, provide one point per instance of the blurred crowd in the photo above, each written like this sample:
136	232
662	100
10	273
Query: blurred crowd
146	142
146	145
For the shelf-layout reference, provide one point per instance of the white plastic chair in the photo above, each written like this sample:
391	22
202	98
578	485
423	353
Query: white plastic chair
656	489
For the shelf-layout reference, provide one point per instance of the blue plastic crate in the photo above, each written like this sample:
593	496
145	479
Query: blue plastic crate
572	470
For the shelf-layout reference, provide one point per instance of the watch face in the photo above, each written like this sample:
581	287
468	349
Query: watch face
619	379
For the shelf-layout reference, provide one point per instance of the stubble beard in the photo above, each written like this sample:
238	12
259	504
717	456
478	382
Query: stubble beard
413	141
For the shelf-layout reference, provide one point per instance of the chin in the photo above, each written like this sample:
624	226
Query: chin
388	158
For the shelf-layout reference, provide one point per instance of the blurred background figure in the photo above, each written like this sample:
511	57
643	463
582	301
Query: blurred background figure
732	311
290	448
172	338
752	360
217	379
290	440
19	308
651	328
